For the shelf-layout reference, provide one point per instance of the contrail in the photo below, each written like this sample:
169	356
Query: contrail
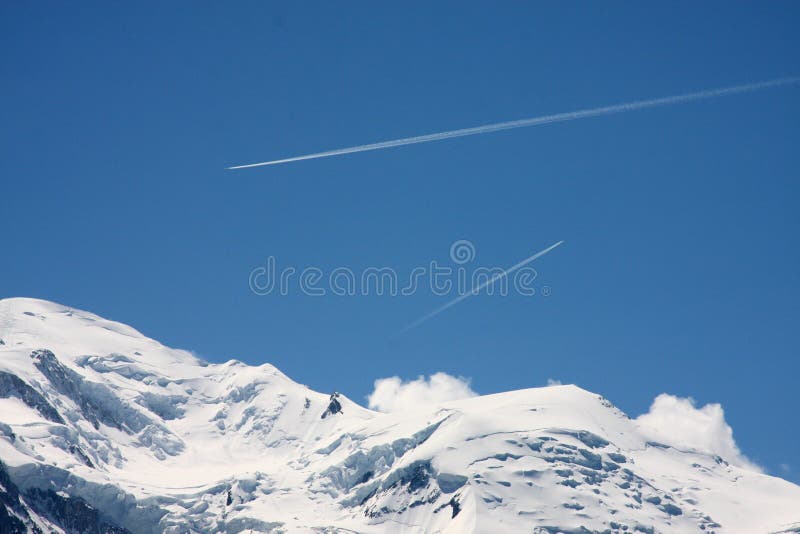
477	289
537	121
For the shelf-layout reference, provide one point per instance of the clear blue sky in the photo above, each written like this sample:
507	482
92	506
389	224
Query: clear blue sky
680	271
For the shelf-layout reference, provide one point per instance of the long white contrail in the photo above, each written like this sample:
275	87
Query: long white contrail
477	289
537	121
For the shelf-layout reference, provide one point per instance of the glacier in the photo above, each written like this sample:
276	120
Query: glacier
105	430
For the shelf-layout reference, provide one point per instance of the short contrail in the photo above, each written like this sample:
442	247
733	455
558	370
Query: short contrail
536	121
475	290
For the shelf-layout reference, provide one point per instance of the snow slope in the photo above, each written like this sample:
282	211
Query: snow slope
102	426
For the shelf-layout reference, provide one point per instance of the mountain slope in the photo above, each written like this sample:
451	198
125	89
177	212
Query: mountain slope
101	423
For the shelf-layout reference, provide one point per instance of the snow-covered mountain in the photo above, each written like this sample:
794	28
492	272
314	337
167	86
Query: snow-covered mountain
105	430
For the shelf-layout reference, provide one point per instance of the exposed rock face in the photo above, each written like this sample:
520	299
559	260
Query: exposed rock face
13	386
14	516
38	509
334	406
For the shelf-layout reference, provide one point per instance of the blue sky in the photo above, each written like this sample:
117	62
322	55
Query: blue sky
680	270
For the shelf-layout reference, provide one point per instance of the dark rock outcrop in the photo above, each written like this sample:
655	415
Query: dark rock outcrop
13	386
334	406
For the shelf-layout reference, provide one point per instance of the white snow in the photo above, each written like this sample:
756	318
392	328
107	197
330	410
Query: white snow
162	441
15	412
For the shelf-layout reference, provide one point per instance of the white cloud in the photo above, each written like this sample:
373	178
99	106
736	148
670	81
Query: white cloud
393	395
675	421
554	382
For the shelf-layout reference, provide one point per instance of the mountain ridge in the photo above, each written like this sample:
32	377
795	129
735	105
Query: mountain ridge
145	438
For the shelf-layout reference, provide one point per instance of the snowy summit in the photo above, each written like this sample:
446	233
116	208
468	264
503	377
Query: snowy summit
105	430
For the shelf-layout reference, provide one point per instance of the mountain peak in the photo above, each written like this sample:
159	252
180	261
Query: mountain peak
137	437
